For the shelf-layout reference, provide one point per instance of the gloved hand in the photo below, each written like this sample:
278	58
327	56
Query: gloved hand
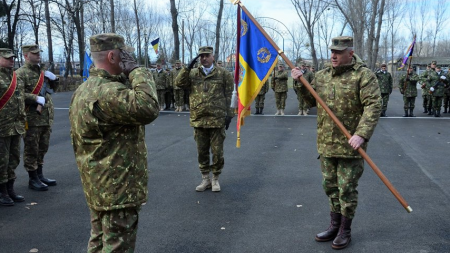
191	65
227	122
40	100
128	62
432	89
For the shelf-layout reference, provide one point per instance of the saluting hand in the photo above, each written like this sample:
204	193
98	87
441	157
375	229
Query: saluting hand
191	65
356	141
128	62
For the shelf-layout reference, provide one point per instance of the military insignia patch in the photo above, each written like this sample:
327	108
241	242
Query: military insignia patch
263	55
244	27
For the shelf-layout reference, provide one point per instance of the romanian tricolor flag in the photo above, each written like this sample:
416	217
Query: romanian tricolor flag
257	58
155	44
408	54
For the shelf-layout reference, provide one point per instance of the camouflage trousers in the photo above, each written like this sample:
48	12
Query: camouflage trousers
36	143
9	157
446	101
340	179
409	102
427	101
179	97
186	96
384	101
161	97
113	231
210	139
437	103
259	101
302	105
168	97
280	99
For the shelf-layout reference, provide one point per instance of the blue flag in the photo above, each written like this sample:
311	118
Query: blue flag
87	65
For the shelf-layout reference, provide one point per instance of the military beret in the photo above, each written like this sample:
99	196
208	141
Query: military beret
31	48
6	53
205	50
433	62
341	43
108	41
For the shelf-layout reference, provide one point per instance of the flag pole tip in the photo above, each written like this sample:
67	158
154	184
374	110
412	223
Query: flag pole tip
409	209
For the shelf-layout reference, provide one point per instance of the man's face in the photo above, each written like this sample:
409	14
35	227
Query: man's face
339	58
383	68
177	65
280	68
33	58
206	60
158	67
433	66
438	69
7	62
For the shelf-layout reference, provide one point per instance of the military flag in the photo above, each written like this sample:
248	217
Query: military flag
87	65
408	54
256	60
155	44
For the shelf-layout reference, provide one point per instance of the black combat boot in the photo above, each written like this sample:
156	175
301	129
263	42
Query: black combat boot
438	113
344	237
445	110
257	111
5	200
425	110
430	111
383	113
260	111
332	231
35	183
47	181
12	194
406	114
411	114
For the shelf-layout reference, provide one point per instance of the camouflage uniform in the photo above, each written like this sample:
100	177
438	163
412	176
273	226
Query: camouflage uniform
353	94
210	98
259	100
429	79
447	94
385	82
108	114
409	91
161	79
438	95
302	106
178	92
280	86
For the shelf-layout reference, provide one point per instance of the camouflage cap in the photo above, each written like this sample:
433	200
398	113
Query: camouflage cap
205	50
177	61
281	64
433	62
219	62
383	65
341	43
31	48
108	41
6	53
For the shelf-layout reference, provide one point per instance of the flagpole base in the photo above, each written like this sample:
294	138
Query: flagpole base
409	209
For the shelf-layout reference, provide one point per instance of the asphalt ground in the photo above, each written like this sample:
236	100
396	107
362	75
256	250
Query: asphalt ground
271	199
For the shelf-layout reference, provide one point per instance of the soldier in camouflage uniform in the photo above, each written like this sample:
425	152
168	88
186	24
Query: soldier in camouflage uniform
161	80
210	97
39	120
108	114
178	92
259	100
352	92
385	82
425	93
447	93
303	107
408	87
437	91
280	87
12	126
429	79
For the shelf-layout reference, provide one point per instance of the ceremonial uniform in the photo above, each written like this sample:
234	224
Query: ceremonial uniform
108	114
259	100
408	87
12	126
385	82
161	80
280	87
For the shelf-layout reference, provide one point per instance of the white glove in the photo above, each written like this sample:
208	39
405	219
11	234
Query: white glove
40	100
432	89
443	77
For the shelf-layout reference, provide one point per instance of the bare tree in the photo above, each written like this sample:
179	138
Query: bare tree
12	18
373	38
33	17
113	21
49	36
176	37
440	9
219	22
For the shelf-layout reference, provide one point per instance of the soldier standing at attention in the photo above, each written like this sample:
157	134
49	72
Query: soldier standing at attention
108	114
352	92
259	100
408	87
280	87
437	91
303	108
210	97
12	126
177	91
430	78
447	93
385	82
425	93
39	118
161	80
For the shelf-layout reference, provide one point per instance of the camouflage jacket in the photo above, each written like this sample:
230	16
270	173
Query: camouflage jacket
161	79
28	76
279	84
411	85
265	88
353	94
12	116
210	95
447	90
173	75
439	89
429	79
108	114
385	81
308	75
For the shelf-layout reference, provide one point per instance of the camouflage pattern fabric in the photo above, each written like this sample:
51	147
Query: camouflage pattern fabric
210	139
429	79
12	116
36	143
108	114
259	99
161	79
113	231
385	82
438	95
9	157
411	85
309	76
353	94
108	41
161	97
280	100
340	180
279	84
179	97
209	95
173	75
